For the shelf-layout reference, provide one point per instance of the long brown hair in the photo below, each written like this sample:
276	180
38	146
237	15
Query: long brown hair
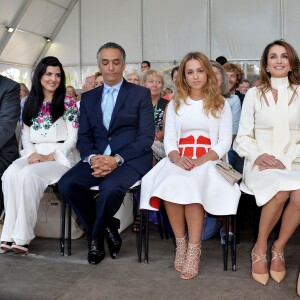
213	102
293	75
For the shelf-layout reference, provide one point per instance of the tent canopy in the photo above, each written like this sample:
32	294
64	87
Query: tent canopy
159	31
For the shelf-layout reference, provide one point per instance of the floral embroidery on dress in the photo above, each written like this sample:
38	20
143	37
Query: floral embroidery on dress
44	120
71	111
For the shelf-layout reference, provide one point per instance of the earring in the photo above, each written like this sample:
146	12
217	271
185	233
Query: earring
267	70
291	69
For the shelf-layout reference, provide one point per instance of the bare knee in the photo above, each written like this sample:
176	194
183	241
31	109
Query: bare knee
295	199
281	197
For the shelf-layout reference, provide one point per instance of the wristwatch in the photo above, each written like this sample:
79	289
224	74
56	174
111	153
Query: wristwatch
119	160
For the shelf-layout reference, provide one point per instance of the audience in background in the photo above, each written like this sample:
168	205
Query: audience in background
133	77
70	91
221	60
89	83
235	76
98	79
145	65
24	92
244	86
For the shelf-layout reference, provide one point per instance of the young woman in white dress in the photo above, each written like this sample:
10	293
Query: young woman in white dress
198	131
49	136
268	138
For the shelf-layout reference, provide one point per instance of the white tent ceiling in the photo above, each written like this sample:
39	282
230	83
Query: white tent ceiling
161	31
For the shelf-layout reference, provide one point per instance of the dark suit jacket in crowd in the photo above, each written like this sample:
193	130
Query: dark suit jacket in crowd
9	115
131	132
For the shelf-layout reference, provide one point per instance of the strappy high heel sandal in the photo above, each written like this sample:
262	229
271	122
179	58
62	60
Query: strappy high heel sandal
181	248
191	267
277	276
257	257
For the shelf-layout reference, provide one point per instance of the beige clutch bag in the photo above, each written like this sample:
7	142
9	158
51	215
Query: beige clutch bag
228	172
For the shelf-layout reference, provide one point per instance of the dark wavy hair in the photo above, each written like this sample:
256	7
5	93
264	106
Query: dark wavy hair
36	95
294	73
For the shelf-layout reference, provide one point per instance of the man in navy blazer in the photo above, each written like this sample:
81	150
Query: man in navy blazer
9	116
113	158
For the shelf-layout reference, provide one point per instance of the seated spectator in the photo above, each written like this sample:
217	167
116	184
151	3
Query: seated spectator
222	60
145	65
70	91
89	83
24	92
255	82
198	132
235	76
167	93
98	79
244	86
49	137
154	81
9	115
133	77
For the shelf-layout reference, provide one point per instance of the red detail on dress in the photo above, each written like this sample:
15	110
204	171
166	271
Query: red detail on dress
190	140
188	151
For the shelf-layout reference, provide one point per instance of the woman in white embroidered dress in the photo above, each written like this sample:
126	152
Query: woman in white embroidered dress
268	138
198	132
49	136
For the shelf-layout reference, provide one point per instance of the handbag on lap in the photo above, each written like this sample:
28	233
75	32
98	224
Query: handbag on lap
228	172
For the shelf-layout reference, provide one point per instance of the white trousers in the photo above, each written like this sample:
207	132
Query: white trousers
23	187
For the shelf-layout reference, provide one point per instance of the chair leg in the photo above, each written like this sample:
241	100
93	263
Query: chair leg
160	224
147	237
233	246
140	240
63	223
69	229
225	247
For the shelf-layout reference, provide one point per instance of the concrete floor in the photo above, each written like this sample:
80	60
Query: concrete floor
44	274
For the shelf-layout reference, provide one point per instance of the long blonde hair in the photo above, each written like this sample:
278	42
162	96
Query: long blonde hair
213	101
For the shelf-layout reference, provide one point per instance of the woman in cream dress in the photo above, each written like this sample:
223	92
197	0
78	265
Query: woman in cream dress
198	131
268	138
49	136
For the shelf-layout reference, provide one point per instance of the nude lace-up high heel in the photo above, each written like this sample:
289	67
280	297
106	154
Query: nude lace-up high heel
257	257
277	276
181	248
191	267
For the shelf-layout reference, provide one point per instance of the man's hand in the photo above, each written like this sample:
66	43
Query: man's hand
103	165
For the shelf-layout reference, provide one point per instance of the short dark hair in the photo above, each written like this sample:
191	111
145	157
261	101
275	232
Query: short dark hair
173	71
111	45
36	96
146	62
222	60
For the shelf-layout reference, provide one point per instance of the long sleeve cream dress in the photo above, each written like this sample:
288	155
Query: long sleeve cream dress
272	128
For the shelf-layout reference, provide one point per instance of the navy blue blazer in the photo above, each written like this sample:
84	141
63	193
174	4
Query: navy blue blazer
131	132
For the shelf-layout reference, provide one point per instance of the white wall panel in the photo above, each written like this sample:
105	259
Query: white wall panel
241	29
173	28
110	21
291	23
